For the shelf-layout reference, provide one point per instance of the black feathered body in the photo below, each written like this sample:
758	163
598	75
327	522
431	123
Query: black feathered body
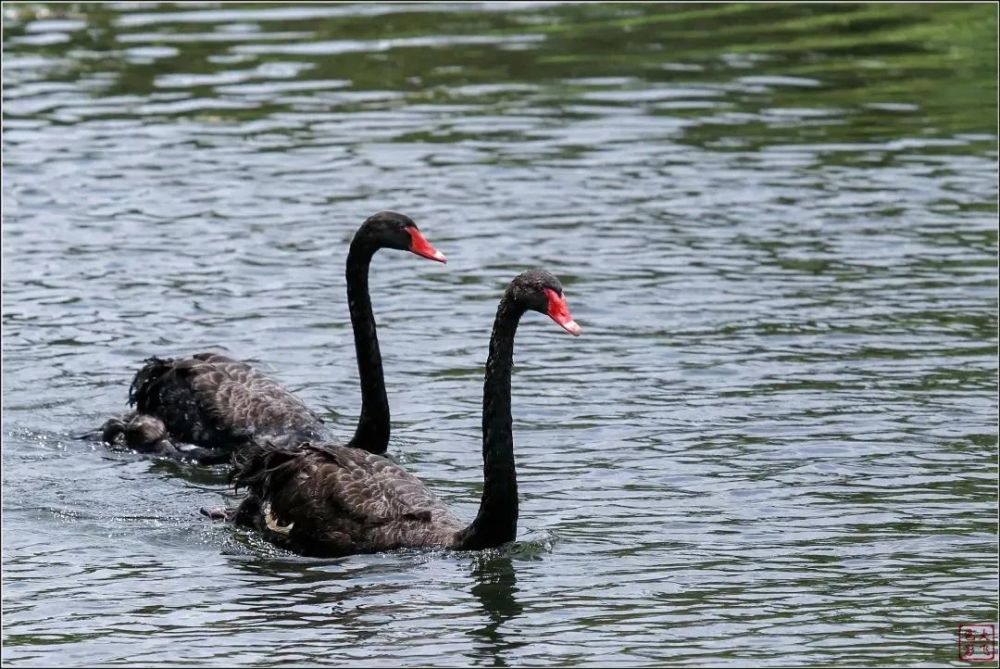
324	499
214	401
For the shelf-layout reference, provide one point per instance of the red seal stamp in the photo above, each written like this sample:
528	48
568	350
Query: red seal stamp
977	642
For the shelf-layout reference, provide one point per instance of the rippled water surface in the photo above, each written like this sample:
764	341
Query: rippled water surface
775	443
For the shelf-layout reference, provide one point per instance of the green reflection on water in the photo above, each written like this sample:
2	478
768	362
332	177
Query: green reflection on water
871	72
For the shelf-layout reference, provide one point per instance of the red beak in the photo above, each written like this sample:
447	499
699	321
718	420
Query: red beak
424	248
559	312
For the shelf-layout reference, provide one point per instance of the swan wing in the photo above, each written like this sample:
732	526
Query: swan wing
344	499
208	397
369	488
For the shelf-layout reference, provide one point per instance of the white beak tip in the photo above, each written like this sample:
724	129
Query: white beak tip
572	327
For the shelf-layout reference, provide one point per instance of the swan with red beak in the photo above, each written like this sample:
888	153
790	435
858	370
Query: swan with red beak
325	499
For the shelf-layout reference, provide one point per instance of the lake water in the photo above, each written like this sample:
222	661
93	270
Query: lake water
775	442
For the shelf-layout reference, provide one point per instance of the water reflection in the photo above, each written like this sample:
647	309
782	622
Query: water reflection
342	596
496	589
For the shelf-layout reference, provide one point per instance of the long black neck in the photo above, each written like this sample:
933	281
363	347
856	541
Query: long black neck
372	434
496	522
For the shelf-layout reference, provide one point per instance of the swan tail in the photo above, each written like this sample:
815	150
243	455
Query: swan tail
90	435
109	431
163	388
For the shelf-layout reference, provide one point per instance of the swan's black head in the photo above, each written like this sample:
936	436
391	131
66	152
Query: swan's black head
388	229
539	291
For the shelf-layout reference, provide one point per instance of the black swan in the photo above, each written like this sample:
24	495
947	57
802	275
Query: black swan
201	408
328	500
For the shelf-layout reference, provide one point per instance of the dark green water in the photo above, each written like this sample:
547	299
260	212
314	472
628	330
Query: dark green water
775	444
